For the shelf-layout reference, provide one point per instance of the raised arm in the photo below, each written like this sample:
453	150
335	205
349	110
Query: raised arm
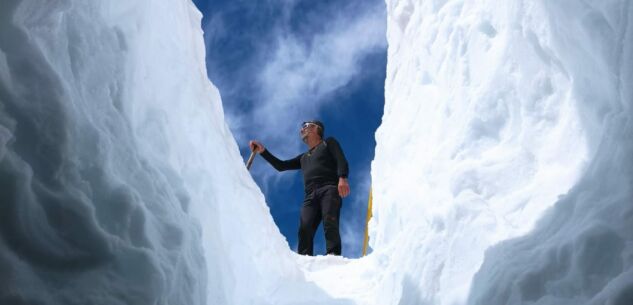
280	165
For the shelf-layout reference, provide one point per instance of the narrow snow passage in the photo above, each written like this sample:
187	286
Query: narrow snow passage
503	170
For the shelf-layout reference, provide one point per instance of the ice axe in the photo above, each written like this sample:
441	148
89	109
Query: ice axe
249	162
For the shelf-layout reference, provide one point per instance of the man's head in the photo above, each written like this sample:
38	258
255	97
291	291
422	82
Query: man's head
312	128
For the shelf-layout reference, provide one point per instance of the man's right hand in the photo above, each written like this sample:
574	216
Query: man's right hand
256	146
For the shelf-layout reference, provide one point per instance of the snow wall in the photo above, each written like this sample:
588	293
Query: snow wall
120	182
506	119
503	170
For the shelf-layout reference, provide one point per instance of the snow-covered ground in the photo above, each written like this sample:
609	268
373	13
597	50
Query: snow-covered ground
503	170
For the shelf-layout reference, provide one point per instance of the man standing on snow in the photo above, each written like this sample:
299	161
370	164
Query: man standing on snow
325	172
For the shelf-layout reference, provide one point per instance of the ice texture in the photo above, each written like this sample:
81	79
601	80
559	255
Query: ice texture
581	251
503	170
93	209
120	182
506	151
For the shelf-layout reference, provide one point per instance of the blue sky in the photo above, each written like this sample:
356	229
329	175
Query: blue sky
280	62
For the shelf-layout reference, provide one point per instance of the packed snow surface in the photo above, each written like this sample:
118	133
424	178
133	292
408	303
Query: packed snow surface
503	170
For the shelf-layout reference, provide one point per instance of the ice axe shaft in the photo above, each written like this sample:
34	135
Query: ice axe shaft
249	162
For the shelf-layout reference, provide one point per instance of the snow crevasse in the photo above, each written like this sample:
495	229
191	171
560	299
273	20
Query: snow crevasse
502	173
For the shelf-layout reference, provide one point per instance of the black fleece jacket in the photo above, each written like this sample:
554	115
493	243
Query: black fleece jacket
321	165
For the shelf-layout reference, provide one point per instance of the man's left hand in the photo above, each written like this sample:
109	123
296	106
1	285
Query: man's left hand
343	187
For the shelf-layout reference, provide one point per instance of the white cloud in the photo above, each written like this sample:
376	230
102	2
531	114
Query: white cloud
300	72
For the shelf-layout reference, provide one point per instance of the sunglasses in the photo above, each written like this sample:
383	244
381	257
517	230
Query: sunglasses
306	125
